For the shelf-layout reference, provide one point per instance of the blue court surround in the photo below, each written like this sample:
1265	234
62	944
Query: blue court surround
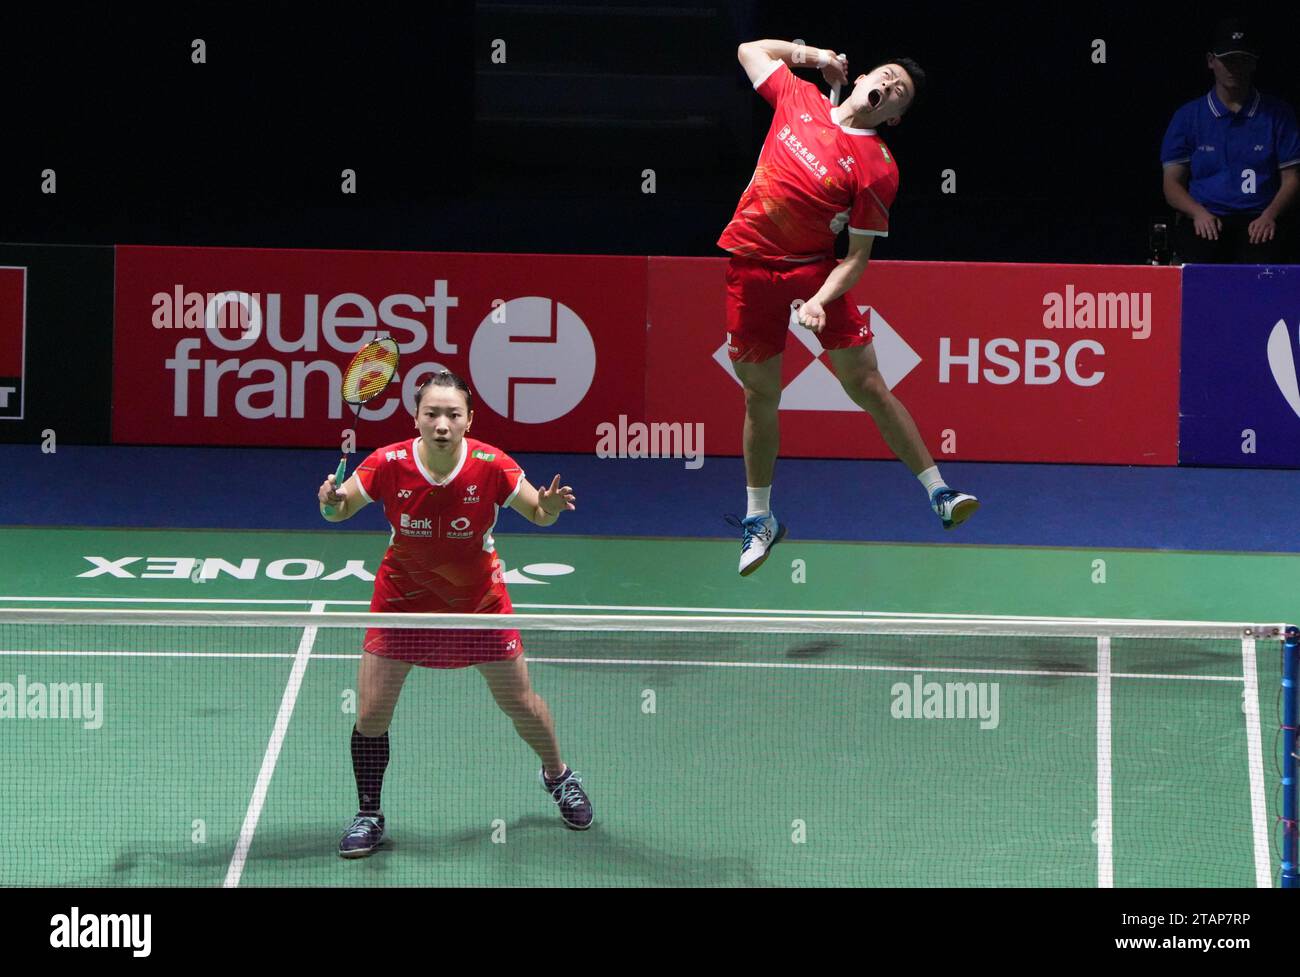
876	501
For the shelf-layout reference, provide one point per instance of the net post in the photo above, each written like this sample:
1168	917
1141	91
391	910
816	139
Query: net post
1290	746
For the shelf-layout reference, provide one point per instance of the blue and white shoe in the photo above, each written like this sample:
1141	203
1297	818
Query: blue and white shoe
363	836
953	507
761	534
566	791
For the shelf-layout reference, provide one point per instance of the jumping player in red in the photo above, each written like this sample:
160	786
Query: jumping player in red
441	493
822	168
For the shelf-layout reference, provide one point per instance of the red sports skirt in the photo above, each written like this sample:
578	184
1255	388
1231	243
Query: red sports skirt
444	647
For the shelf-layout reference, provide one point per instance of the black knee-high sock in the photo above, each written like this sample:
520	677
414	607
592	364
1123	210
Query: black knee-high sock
369	761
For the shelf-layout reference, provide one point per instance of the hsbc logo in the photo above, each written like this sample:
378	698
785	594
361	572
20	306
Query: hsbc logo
1040	363
532	359
13	341
1282	364
817	387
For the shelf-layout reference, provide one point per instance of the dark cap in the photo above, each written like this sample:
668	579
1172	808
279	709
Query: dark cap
1234	37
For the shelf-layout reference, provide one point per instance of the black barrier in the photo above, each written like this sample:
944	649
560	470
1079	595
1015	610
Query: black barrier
56	344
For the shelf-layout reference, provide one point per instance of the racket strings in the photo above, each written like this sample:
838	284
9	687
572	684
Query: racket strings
370	371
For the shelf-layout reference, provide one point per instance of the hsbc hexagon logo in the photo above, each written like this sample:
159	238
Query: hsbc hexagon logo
532	360
817	388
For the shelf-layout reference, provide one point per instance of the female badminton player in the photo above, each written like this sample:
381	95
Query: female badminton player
441	492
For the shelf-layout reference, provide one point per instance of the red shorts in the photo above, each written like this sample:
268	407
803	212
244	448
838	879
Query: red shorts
759	297
444	647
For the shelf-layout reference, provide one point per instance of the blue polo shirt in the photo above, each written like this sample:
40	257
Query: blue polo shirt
1225	149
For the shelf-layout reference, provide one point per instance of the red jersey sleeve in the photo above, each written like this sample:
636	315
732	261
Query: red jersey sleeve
371	474
779	84
509	477
870	212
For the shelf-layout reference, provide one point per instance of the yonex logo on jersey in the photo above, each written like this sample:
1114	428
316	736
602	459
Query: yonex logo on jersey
403	493
805	117
1259	148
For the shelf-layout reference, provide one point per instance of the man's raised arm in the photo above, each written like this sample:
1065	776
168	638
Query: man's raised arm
756	57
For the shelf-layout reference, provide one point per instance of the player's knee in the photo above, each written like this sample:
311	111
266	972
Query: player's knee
513	702
372	722
762	396
867	389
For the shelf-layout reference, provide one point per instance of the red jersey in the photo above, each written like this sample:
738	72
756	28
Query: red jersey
813	178
441	555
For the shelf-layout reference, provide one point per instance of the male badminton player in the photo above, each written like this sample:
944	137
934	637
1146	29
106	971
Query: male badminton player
822	168
441	492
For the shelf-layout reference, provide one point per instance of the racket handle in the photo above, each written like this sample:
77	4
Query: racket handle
835	89
341	471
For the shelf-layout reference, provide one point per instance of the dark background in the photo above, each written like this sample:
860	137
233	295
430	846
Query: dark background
1056	157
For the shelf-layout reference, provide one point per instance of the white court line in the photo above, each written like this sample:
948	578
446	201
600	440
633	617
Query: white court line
812	666
157	654
272	754
1258	798
72	653
759	611
166	600
1179	678
1105	824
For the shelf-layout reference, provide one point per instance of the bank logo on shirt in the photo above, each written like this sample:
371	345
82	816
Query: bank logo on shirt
416	527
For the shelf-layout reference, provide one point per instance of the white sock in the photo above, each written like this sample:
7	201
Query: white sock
760	500
932	480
